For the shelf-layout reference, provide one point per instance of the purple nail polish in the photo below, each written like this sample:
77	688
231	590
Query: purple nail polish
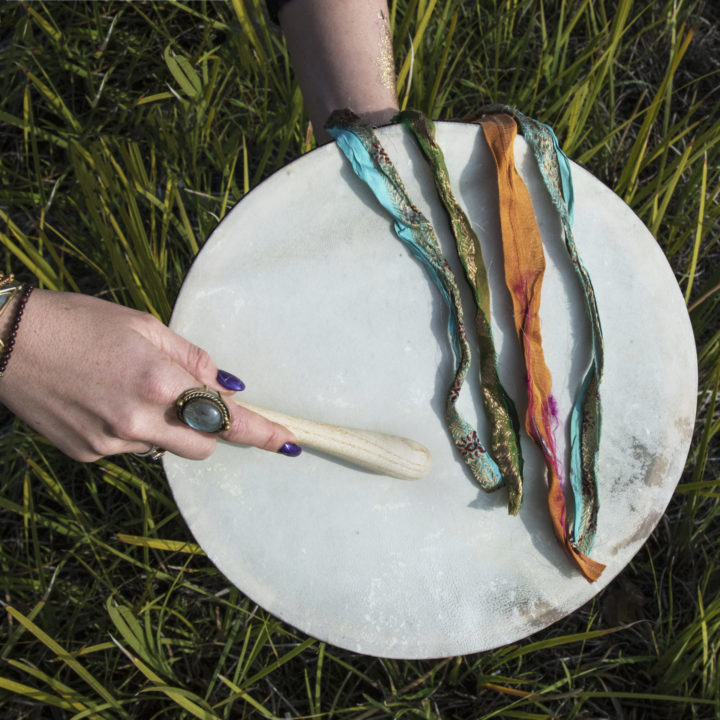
290	449
229	381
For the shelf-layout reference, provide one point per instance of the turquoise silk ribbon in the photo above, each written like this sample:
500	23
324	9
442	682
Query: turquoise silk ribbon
372	165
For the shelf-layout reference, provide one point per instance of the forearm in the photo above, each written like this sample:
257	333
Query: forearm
342	55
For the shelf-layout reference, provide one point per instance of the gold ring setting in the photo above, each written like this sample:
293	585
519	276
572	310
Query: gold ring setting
154	453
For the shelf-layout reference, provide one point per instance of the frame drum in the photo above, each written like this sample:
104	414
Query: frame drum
306	293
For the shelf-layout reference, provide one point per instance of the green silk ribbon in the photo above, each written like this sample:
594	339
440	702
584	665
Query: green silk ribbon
499	407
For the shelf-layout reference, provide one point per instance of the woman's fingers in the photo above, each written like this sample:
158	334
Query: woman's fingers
246	428
196	361
249	428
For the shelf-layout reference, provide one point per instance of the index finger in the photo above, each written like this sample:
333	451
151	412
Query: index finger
249	428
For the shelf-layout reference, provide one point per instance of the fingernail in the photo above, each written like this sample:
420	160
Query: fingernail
229	381
290	449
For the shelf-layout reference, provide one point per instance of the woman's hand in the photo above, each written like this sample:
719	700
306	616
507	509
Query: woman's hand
96	378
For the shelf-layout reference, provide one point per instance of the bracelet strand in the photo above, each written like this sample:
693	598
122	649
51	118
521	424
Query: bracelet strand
9	344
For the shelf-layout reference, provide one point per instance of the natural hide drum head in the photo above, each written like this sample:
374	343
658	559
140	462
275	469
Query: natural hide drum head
305	293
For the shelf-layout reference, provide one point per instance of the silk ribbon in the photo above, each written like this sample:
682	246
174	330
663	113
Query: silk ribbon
586	414
524	262
371	164
499	407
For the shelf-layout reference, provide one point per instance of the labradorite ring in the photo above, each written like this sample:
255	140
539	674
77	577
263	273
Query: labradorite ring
203	409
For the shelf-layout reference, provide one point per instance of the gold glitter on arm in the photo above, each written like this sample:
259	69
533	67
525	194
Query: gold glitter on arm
385	60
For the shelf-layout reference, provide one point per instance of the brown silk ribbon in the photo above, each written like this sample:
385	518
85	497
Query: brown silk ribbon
524	263
585	422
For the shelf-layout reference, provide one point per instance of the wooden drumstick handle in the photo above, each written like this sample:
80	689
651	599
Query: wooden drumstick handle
385	454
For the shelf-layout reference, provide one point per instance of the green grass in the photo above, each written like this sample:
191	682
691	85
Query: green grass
127	132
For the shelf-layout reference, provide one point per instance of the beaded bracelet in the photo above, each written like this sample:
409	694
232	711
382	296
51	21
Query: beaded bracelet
9	344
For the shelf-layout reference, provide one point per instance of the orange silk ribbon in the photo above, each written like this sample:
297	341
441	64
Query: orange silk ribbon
524	262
